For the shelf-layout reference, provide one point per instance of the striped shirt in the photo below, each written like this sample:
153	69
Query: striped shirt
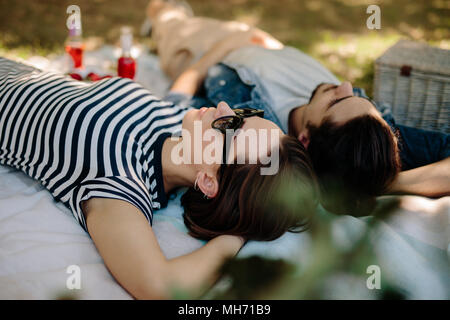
82	140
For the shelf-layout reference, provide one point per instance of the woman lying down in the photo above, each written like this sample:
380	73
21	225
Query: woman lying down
106	151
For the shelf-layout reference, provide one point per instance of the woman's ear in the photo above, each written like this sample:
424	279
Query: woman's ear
208	184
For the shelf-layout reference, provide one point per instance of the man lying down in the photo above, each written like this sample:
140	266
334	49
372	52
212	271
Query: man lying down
357	150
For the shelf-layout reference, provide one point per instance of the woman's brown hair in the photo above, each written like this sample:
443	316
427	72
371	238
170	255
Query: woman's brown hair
255	206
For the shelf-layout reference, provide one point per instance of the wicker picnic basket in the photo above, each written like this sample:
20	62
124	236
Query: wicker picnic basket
414	79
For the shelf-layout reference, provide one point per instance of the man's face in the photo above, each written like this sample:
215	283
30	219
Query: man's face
335	102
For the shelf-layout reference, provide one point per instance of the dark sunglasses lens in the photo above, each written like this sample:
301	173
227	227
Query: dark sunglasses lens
249	112
244	111
226	123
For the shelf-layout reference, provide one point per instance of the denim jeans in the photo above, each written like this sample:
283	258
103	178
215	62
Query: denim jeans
418	147
224	84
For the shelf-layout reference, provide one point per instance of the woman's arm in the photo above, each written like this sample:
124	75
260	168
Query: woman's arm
191	79
432	180
131	252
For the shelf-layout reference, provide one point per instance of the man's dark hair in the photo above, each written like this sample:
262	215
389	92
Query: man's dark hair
354	163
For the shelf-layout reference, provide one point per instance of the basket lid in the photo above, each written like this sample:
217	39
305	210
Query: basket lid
417	55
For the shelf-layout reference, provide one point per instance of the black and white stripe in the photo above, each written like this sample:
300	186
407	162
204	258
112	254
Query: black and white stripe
85	140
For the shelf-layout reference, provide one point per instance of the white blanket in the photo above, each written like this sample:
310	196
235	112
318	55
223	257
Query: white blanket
39	240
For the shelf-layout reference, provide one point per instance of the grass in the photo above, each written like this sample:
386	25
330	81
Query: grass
332	31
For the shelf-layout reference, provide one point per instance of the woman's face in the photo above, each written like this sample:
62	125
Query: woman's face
204	144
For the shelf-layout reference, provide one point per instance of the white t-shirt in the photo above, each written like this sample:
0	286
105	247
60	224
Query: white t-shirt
289	75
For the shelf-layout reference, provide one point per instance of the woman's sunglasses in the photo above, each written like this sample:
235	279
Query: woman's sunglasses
233	122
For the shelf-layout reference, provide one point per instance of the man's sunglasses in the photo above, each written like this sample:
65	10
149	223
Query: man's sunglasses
233	122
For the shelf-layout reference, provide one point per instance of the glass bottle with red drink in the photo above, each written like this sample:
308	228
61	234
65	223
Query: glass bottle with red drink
126	66
74	47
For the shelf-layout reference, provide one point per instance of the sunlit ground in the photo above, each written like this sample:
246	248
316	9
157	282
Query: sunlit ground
333	31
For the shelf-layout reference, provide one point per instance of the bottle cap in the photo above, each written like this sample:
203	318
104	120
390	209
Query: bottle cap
126	39
75	32
75	26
